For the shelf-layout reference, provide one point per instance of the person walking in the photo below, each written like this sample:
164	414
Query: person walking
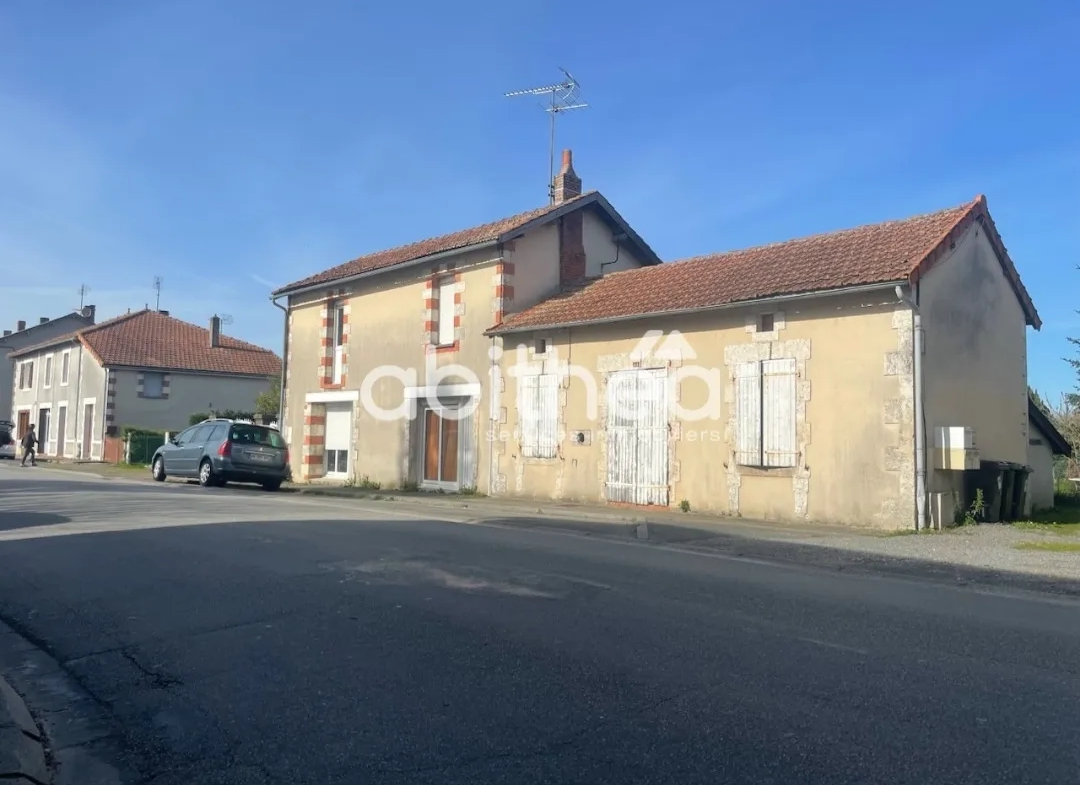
29	443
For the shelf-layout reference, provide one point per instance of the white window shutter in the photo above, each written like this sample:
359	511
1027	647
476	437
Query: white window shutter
528	414
748	414
446	312
548	415
778	422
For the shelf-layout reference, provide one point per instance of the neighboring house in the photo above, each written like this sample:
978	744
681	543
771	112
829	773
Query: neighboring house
22	336
144	369
1044	442
774	383
421	308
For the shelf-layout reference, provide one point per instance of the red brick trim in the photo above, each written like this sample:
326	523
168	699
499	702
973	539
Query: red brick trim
313	460
453	347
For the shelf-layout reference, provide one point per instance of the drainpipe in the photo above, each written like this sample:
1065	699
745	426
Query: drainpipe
284	368
492	421
920	429
104	417
80	412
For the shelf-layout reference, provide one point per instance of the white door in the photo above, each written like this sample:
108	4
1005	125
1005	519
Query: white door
637	437
338	439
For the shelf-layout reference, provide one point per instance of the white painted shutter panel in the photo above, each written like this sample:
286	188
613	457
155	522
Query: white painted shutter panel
778	379
748	413
528	414
547	415
446	312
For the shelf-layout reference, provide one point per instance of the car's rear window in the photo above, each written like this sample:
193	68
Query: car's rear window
256	434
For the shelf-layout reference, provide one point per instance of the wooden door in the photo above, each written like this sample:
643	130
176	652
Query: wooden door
24	424
431	445
448	460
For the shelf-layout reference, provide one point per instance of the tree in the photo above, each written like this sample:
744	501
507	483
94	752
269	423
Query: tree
1040	402
268	402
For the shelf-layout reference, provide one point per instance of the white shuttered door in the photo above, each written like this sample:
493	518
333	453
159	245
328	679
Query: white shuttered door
637	437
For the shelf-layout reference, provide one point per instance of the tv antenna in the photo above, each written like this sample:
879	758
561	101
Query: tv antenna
225	318
157	292
83	291
561	97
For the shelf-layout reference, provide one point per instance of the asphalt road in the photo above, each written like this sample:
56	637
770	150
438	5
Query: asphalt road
238	637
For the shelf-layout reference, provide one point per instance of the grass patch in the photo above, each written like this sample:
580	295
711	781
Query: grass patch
1056	547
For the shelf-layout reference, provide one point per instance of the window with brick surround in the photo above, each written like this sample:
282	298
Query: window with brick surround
153	385
447	288
337	343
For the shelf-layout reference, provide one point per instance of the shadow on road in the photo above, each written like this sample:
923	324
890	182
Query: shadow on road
9	521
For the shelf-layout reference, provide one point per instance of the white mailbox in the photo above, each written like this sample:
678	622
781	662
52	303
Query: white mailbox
954	448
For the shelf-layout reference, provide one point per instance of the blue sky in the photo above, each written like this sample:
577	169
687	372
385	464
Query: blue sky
233	146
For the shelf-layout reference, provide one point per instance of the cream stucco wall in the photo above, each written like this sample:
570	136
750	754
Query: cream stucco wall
602	256
386	331
854	419
975	360
189	393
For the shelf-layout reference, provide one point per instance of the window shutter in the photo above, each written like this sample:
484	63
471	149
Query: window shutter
779	383
446	312
748	413
528	414
548	415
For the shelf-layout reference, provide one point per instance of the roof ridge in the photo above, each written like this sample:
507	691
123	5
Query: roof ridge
110	322
456	240
888	223
534	212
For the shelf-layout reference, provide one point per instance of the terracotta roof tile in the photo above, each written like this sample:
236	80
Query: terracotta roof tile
148	339
879	253
413	251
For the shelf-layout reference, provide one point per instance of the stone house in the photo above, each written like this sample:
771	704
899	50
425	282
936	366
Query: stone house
781	382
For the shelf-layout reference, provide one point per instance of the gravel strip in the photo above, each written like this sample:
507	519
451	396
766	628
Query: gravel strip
991	547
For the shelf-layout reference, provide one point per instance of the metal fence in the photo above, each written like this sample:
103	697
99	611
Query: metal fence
139	447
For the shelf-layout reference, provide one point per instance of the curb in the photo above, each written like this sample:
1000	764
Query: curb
22	745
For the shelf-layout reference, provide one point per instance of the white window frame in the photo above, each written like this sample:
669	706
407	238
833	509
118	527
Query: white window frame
337	343
65	367
445	331
161	390
47	371
766	414
538	415
26	378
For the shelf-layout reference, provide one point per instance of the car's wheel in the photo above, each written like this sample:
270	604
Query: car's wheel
158	469
206	474
271	485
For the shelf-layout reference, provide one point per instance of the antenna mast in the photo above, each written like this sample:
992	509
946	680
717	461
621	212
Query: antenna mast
561	97
83	290
157	291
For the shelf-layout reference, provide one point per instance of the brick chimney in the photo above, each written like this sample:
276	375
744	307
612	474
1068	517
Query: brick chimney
20	326
89	312
43	319
215	331
567	184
